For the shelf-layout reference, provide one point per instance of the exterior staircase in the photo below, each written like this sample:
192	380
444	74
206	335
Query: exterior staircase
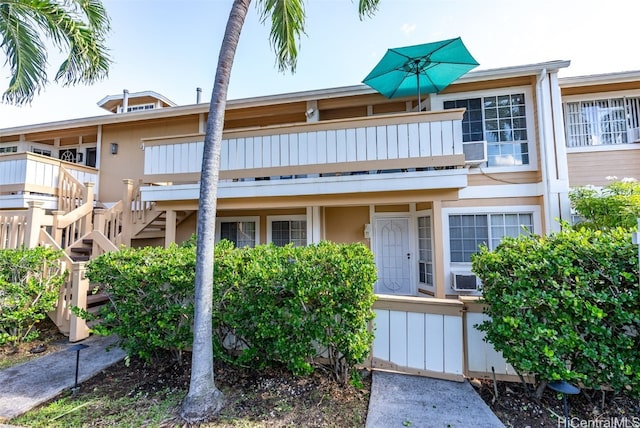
155	225
83	252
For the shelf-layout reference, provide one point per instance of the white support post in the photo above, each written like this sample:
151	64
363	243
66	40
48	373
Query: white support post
313	225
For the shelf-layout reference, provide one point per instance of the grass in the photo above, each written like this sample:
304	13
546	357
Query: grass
6	363
85	410
145	395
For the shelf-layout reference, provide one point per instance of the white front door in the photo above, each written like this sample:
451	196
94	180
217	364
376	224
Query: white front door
393	257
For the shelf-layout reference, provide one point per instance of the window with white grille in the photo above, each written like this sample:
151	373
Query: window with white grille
501	120
9	149
282	230
425	251
468	231
602	122
39	151
241	233
141	107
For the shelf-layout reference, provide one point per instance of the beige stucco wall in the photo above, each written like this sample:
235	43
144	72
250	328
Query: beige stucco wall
346	224
129	162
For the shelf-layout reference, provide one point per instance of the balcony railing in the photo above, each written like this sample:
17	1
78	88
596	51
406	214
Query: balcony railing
338	147
27	173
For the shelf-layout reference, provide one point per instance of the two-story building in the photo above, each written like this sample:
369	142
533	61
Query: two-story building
493	155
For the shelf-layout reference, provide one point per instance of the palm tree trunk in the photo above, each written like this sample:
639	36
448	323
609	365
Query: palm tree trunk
204	400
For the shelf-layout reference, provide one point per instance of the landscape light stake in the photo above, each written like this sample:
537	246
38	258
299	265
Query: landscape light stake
79	347
564	388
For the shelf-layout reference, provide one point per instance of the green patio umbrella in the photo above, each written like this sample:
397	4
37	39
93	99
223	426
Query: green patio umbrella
426	68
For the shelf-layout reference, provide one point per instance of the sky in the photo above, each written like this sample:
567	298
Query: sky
171	46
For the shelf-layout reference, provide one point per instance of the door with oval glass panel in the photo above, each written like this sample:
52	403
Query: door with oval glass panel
393	256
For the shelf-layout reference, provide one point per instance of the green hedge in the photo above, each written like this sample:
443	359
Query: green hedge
30	280
284	305
151	294
566	306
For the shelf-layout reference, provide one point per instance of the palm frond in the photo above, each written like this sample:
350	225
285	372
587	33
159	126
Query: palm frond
367	8
287	25
25	54
96	14
78	27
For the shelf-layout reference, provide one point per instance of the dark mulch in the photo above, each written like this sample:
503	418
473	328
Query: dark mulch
272	397
49	340
516	408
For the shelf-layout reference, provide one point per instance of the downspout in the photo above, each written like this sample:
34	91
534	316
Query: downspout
543	152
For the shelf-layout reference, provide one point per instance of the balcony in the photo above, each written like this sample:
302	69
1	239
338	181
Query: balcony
411	151
28	177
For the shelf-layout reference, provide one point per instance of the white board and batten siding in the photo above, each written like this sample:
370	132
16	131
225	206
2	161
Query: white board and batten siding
84	176
435	338
482	358
44	174
413	340
25	171
371	143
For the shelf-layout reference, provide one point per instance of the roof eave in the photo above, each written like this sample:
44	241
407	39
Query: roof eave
301	96
599	79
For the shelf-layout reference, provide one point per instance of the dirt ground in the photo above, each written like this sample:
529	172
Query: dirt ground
50	340
275	398
515	408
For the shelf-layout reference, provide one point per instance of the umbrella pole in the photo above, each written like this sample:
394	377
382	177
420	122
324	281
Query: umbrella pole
418	82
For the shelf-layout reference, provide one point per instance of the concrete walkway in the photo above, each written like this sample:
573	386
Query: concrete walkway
399	400
24	386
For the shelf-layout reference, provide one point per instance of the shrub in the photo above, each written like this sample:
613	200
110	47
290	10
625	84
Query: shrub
282	305
615	205
151	294
291	305
30	280
565	306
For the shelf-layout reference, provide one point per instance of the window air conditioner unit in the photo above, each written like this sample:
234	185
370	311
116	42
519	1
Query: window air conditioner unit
475	152
634	135
465	281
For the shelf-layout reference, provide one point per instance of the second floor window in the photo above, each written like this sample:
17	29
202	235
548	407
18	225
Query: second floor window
602	122
501	121
42	152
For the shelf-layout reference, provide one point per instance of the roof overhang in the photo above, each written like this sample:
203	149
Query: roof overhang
600	79
110	102
316	94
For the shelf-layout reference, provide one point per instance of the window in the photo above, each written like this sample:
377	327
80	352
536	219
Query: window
69	155
425	251
140	107
468	231
241	233
288	229
42	152
9	149
499	120
603	121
